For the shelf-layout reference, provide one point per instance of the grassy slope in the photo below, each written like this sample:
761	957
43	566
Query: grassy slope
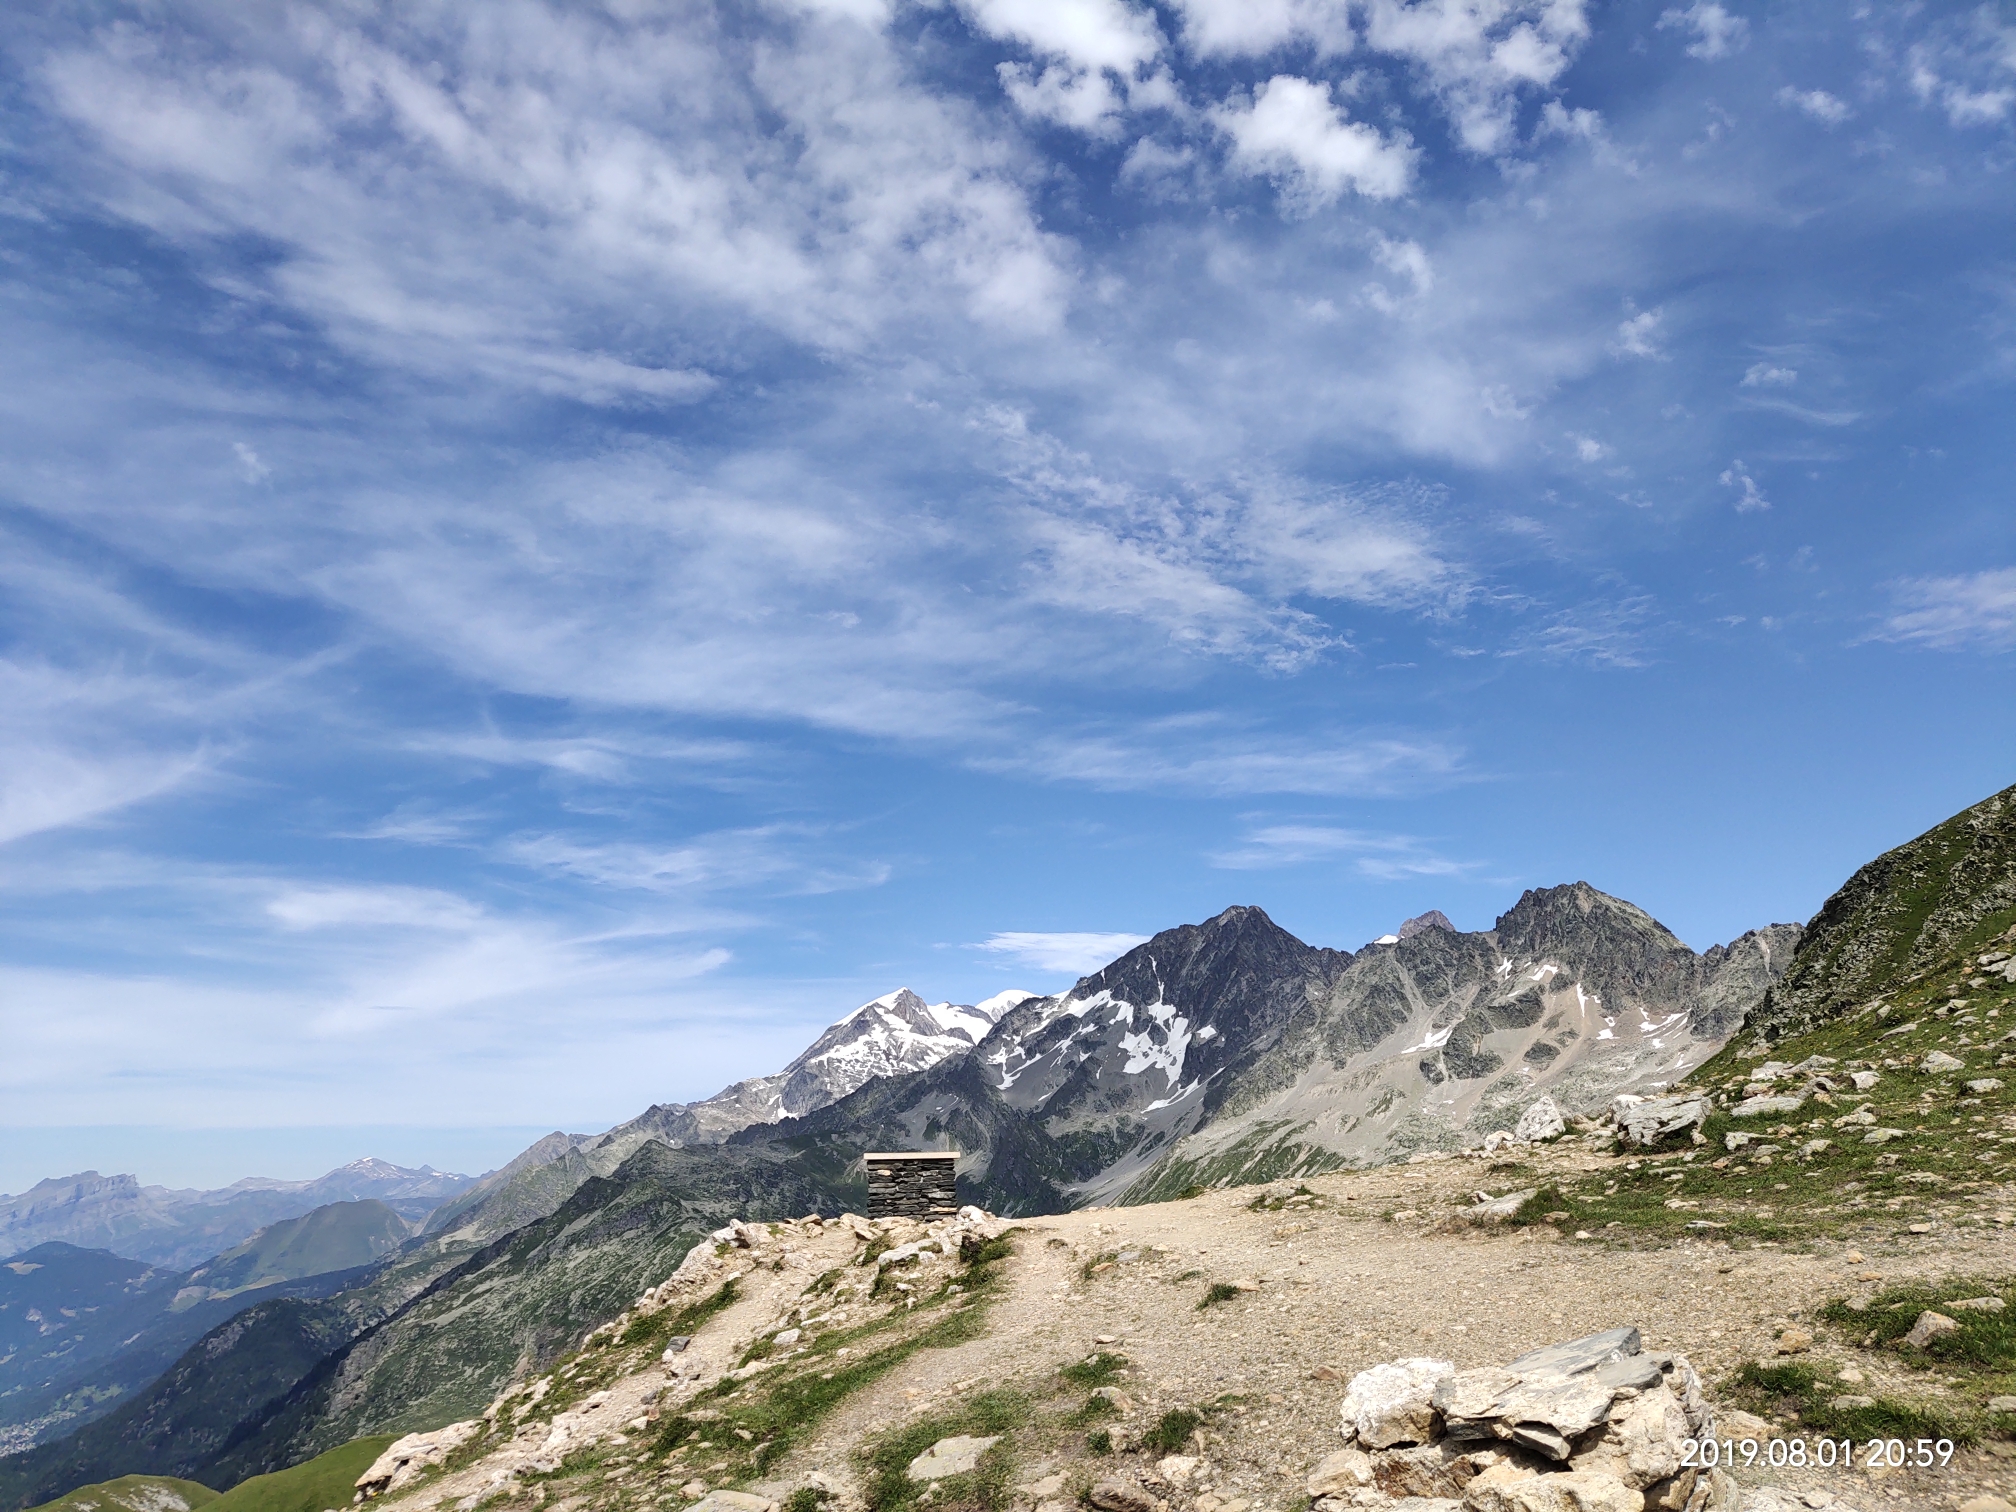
339	1236
133	1493
328	1480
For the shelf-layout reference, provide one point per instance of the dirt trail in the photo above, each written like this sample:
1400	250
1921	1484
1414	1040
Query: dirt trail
1377	1266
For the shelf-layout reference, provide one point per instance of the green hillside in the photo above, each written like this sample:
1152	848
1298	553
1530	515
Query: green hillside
1905	918
135	1493
338	1237
328	1480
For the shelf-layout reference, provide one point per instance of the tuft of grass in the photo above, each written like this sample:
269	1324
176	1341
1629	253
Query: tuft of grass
1218	1291
1172	1430
1103	1258
1195	1189
807	1499
991	1414
826	1282
1095	1370
1100	1441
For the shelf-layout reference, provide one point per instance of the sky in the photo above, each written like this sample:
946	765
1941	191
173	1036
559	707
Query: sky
549	551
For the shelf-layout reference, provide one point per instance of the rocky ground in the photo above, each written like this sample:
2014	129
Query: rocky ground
1091	1333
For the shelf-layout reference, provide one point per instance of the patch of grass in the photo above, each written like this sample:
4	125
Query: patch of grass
1104	1259
991	1414
1172	1430
807	1499
1190	1275
686	1321
1986	1340
328	1480
1216	1292
877	1247
779	1409
1100	1441
1273	1203
1101	1369
826	1282
1797	1393
1195	1189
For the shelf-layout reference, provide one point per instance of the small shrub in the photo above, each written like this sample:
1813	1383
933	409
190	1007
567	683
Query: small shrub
1172	1430
1219	1291
1100	1441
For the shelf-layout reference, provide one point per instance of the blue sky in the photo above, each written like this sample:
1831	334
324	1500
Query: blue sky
548	551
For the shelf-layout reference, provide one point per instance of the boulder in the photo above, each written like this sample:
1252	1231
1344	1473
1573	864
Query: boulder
1864	1080
959	1455
1982	1086
1433	1470
1658	1119
404	1459
1641	1442
1930	1325
1390	1404
1937	1062
1578	1355
1498	1209
1979	1304
1540	1122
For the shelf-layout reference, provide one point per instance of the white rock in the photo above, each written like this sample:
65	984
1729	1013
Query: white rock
1938	1061
1389	1404
1540	1122
1341	1473
959	1455
1864	1080
404	1459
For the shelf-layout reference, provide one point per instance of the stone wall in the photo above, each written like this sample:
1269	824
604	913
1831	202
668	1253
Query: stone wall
912	1184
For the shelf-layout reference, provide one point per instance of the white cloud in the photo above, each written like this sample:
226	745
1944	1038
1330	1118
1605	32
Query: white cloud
1769	375
772	855
1090	50
1817	103
1476	55
1638	335
1386	857
372	907
1293	133
1751	497
1080	954
1254	28
1968	611
1589	449
1717	32
1188	756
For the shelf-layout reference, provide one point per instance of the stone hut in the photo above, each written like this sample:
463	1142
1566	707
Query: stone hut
912	1183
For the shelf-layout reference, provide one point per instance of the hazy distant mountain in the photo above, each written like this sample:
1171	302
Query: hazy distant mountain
178	1228
81	1330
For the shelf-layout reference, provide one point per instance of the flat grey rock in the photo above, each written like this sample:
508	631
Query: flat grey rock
1577	1355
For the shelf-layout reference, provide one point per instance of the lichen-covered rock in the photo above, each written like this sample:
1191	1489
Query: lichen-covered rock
1659	1119
1390	1404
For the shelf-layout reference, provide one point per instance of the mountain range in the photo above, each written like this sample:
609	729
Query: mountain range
177	1229
1216	1053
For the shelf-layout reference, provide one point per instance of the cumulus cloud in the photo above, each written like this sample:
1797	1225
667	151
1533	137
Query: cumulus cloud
1254	28
1769	375
1089	52
1292	131
1967	611
1717	31
1079	953
1825	108
1639	335
1476	55
1749	496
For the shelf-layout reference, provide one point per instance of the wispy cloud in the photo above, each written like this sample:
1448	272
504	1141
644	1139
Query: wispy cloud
1079	953
1968	611
1382	856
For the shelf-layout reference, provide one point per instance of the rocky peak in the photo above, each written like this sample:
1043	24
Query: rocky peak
1433	919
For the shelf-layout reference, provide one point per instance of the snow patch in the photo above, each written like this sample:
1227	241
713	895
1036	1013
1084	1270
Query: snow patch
1435	1040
